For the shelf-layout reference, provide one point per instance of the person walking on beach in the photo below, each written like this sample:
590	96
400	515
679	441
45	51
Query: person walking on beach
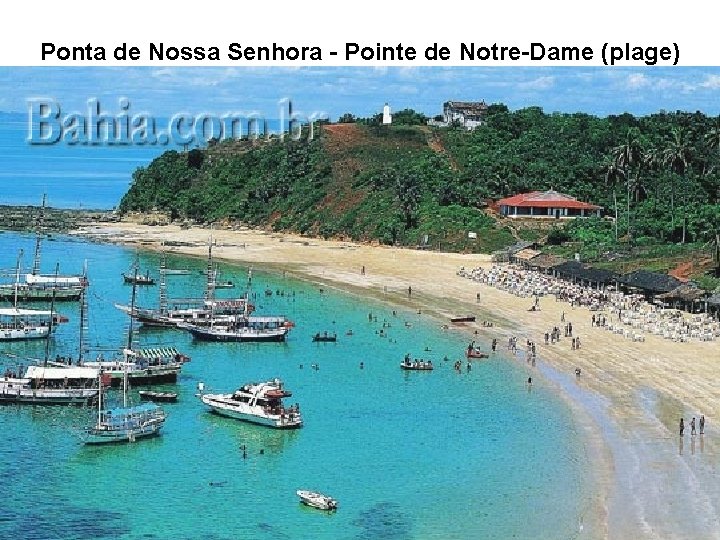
682	427
362	271
702	425
409	291
692	427
562	317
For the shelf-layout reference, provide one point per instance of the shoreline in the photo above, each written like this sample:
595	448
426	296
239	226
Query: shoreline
628	437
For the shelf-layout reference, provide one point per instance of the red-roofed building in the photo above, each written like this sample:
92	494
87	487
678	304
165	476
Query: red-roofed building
546	204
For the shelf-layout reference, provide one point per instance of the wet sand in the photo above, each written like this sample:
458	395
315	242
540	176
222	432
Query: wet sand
628	399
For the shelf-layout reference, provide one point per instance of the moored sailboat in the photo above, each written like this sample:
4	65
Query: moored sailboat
43	287
126	423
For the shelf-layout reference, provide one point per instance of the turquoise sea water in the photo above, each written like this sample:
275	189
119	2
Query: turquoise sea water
408	455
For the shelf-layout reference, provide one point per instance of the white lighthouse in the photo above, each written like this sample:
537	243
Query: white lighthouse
387	117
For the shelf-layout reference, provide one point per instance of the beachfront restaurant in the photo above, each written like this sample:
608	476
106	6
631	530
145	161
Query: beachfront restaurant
685	297
649	284
546	205
584	275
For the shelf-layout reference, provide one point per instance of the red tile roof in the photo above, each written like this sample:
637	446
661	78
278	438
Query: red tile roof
546	199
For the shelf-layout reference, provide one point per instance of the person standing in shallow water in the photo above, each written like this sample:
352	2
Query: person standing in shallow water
682	427
692	426
702	425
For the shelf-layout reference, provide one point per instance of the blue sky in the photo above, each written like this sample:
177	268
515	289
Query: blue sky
164	91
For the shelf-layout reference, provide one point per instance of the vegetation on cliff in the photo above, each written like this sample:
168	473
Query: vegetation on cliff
659	174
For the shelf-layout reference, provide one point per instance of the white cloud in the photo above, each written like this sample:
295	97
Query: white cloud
540	83
711	81
637	80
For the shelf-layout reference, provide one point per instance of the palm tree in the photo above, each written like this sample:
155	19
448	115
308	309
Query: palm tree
612	176
712	137
627	157
677	156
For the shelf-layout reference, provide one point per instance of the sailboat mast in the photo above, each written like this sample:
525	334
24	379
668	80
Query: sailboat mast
17	278
100	392
52	316
132	311
163	285
210	288
83	315
38	239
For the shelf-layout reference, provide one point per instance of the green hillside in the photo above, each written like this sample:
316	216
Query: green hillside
396	184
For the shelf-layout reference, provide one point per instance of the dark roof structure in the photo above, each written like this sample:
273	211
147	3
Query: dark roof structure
470	108
652	282
518	246
571	269
684	293
577	270
545	261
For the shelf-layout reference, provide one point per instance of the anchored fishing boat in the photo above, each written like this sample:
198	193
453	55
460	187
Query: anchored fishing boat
317	500
149	395
325	337
195	311
142	365
126	423
41	385
258	403
22	324
139	279
42	287
256	329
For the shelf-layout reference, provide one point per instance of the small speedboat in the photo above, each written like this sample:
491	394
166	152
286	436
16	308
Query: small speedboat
150	395
317	500
416	365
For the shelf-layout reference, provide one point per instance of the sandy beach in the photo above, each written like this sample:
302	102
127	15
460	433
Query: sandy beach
628	399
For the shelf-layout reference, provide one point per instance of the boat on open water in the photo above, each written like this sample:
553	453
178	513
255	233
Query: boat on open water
40	385
258	403
126	423
317	500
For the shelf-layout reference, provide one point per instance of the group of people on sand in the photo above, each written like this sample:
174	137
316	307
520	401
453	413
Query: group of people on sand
693	428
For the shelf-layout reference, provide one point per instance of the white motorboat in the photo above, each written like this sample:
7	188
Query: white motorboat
317	500
259	403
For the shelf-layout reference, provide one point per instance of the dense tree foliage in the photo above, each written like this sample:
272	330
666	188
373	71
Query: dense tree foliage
659	174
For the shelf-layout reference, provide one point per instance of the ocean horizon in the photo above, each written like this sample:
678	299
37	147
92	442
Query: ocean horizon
81	176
